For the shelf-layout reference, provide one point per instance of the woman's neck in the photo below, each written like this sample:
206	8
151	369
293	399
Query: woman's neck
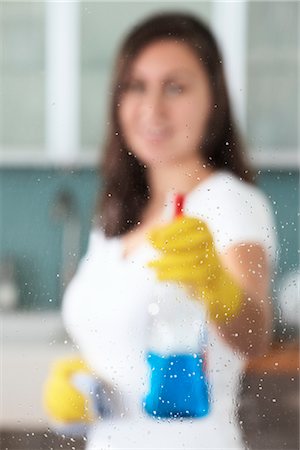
177	178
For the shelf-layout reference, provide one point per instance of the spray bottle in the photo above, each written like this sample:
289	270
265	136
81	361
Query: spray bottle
178	385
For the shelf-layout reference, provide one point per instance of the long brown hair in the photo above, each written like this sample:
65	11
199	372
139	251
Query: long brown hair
125	191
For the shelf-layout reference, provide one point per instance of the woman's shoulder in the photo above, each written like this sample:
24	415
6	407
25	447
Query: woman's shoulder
98	243
225	190
97	236
236	211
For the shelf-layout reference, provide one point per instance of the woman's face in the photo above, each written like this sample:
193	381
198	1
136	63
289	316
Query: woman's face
165	104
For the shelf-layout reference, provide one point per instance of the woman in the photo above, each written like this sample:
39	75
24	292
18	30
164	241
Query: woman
171	131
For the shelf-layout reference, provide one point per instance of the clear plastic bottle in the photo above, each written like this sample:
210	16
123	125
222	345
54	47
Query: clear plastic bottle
177	352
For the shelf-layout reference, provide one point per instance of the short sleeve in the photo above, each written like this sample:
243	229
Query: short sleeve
236	212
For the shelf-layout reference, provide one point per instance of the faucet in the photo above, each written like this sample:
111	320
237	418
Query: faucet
65	210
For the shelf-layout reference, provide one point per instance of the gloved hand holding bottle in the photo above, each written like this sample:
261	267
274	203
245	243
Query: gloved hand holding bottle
73	397
189	257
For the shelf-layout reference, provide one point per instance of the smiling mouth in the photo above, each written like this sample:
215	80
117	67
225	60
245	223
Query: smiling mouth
155	134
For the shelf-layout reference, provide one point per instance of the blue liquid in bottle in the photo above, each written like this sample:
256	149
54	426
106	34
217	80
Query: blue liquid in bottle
179	386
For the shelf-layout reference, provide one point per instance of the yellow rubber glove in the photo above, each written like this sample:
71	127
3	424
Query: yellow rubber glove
189	257
62	400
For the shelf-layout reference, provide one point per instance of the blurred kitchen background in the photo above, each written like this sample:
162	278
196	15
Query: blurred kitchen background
55	65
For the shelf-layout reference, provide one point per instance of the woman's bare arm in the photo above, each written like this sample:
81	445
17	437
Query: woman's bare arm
250	330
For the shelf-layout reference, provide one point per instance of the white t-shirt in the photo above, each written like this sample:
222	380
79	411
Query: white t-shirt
106	312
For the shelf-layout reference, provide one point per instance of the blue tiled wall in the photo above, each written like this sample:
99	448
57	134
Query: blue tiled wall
30	232
32	236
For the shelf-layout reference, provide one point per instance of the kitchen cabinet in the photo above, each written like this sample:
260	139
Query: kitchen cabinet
58	58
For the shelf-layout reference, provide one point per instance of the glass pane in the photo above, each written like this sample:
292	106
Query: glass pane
273	76
23	76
